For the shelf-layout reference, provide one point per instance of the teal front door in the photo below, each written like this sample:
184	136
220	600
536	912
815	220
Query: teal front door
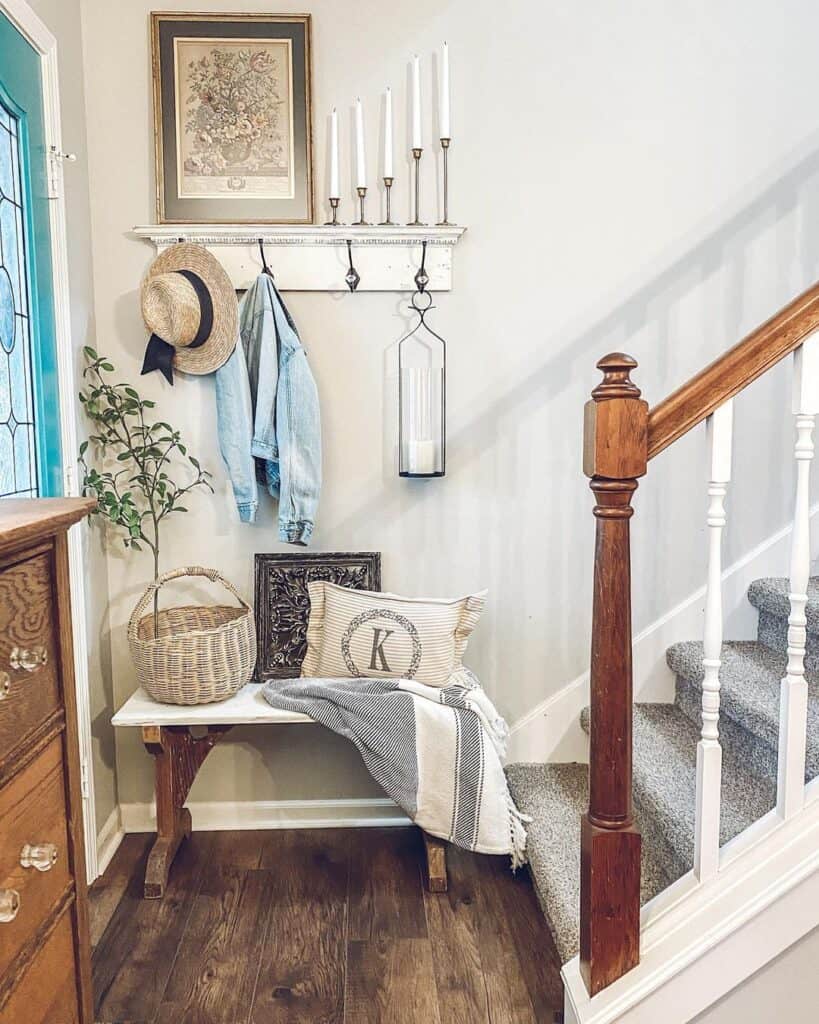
30	457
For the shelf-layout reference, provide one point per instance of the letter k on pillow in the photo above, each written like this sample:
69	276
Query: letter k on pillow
353	633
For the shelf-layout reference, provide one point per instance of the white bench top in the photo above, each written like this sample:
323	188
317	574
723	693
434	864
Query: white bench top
246	707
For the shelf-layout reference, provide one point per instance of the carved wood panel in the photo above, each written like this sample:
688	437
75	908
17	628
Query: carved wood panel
283	604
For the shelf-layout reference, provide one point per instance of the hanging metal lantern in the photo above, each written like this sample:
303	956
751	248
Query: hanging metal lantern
422	391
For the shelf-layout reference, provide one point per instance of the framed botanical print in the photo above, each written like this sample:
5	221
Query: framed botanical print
232	118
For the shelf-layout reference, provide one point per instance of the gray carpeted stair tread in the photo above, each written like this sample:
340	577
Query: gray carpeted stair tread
665	774
771	595
555	796
665	742
750	677
770	598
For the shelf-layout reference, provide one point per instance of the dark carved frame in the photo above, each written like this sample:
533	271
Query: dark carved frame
283	605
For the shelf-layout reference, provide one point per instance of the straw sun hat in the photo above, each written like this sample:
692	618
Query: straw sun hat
189	306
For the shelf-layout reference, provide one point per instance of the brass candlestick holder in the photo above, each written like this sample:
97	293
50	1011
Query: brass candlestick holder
387	222
334	221
416	155
445	153
362	195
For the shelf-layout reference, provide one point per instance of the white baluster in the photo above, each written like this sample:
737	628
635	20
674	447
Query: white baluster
709	752
793	701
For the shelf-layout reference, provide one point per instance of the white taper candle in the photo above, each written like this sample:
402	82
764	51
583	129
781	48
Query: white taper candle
335	192
388	134
443	95
416	103
360	163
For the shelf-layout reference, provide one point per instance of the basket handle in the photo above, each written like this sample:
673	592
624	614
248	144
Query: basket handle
188	570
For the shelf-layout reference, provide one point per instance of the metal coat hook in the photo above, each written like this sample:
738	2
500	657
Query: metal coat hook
265	268
421	282
421	276
59	155
352	277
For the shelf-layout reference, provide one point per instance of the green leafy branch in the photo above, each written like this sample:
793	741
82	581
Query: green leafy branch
135	488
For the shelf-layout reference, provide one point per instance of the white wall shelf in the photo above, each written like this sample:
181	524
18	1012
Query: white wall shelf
314	258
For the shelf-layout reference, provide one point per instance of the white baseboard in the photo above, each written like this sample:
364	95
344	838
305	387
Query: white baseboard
220	816
108	839
552	732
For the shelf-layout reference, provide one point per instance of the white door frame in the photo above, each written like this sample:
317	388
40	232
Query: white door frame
32	28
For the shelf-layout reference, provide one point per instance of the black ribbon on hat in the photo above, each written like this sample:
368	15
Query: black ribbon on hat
158	353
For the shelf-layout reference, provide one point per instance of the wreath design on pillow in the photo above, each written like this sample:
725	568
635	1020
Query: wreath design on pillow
382	613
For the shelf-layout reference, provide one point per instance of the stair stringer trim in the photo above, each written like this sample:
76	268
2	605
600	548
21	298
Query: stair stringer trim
551	731
700	941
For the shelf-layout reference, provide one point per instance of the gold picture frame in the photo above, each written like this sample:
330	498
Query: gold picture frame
233	131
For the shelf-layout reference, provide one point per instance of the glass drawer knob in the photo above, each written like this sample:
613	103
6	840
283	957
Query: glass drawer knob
29	658
5	685
43	856
9	905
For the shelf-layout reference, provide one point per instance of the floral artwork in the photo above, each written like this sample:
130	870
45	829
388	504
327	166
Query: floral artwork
234	118
233	125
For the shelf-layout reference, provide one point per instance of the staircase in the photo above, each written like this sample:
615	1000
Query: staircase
701	811
665	763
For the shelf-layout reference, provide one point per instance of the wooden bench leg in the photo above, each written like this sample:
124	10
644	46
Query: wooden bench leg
436	862
177	758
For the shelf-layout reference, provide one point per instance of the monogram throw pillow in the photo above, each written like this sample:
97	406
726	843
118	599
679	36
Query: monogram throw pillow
354	633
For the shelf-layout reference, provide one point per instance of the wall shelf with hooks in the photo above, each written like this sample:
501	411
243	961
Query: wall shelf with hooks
313	258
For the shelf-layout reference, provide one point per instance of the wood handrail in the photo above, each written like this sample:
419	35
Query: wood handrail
620	435
733	371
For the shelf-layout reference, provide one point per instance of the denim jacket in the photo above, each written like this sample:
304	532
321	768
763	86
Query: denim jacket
268	415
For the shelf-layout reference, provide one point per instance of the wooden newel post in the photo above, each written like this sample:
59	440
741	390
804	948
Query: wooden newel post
614	456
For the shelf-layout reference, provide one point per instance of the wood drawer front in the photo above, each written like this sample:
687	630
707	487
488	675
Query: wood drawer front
47	991
32	810
27	624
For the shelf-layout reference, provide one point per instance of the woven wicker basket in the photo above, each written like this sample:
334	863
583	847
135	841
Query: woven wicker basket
201	654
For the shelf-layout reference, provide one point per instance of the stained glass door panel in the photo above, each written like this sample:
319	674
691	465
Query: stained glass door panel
18	446
30	457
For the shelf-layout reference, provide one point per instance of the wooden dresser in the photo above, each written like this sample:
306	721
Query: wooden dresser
45	960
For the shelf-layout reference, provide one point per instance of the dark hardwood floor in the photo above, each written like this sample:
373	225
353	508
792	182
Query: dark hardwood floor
319	927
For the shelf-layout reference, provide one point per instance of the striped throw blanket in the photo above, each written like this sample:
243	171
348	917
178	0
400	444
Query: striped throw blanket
436	751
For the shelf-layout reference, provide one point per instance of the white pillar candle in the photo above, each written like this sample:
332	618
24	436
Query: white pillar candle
388	135
360	163
416	103
443	94
335	192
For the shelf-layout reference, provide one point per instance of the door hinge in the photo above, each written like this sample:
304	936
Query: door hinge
85	788
55	171
69	482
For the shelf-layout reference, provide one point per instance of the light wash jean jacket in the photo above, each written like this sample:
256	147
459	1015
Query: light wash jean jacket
268	415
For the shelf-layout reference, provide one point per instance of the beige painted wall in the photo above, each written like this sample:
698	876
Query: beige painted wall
63	19
783	990
635	176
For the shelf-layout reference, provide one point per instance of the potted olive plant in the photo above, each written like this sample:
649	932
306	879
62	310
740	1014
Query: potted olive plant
192	654
145	469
